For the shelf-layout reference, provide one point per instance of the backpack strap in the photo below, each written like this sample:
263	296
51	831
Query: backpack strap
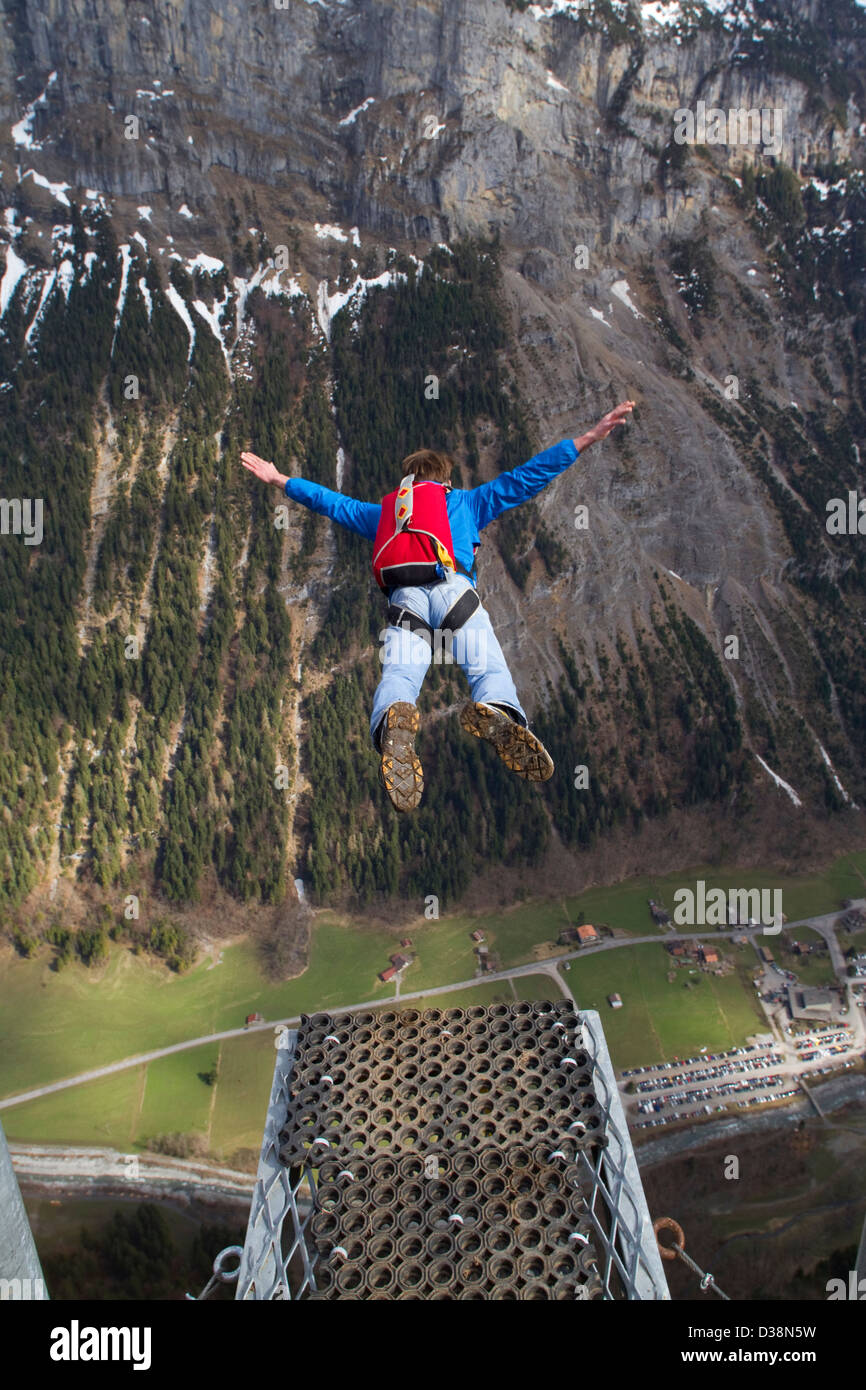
403	504
403	499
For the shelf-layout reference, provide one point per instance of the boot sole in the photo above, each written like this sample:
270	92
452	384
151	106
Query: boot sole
400	770
518	748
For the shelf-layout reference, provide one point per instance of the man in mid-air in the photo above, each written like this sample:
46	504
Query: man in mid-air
425	535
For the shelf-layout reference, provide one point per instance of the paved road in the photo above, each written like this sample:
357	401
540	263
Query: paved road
548	966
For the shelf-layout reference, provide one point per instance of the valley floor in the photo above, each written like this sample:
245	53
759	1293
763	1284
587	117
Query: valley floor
129	1014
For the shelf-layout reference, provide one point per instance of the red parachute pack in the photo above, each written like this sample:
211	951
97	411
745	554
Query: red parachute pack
413	538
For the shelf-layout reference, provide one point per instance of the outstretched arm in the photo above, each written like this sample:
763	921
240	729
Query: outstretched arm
491	499
361	517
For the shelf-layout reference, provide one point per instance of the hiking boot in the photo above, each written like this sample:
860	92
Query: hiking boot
400	769
516	745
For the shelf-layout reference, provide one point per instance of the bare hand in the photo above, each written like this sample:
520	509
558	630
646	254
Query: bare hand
261	468
608	422
614	417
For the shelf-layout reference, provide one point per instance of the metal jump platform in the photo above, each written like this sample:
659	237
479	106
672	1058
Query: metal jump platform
470	1154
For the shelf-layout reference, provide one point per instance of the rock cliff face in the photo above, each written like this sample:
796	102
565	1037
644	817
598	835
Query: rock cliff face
717	280
473	113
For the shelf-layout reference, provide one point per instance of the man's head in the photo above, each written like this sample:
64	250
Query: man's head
428	466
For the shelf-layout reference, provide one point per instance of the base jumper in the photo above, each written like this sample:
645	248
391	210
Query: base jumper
425	535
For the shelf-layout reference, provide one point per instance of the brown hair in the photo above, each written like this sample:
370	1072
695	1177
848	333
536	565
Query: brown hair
428	466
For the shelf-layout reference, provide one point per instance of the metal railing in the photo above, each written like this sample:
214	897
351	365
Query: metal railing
20	1271
280	1209
616	1200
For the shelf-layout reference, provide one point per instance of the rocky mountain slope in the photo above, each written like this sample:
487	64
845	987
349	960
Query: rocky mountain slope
273	226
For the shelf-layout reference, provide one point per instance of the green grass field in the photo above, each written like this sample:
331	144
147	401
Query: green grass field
810	970
803	895
487	992
242	1094
522	933
174	1090
101	1113
660	1020
529	987
855	940
58	1025
533	987
165	1097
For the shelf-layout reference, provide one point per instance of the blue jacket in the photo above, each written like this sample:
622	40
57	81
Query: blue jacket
469	510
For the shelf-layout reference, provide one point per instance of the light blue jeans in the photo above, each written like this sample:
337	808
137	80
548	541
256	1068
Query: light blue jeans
406	656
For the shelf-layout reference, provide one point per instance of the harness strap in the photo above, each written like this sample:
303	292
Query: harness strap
461	612
404	617
454	619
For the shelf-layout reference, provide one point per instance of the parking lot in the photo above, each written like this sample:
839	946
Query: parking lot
754	1075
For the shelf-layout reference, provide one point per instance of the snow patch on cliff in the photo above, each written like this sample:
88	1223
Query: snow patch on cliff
210	264
353	115
47	287
664	14
826	757
22	131
330	229
212	317
65	276
15	269
621	291
779	781
671	14
327	306
182	311
57	190
125	261
269	281
572	7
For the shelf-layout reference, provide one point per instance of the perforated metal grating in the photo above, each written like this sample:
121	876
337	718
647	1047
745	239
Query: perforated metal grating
446	1154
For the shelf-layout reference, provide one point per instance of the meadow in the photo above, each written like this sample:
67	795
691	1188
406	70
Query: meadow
58	1025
